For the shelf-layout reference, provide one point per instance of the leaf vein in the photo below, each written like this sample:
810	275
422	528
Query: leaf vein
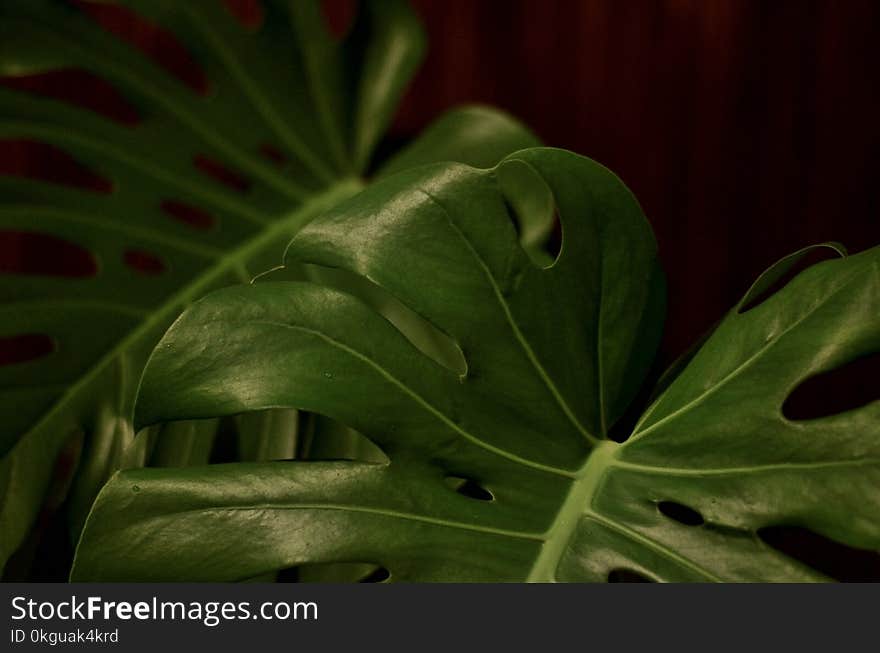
421	401
508	315
751	360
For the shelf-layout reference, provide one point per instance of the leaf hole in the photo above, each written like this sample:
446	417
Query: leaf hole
844	388
46	554
553	246
273	155
378	575
422	334
80	88
339	16
532	209
225	448
37	254
34	160
622	575
680	513
837	561
324	438
287	575
221	173
387	147
189	215
155	42
334	572
25	348
249	13
469	488
281	425
779	275
143	262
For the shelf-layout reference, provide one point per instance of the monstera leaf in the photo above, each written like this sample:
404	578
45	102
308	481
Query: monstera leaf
202	192
498	466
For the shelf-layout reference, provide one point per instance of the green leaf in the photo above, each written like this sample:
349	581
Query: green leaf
553	355
321	104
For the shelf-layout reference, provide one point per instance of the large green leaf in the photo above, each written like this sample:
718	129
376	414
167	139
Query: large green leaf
553	355
320	104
